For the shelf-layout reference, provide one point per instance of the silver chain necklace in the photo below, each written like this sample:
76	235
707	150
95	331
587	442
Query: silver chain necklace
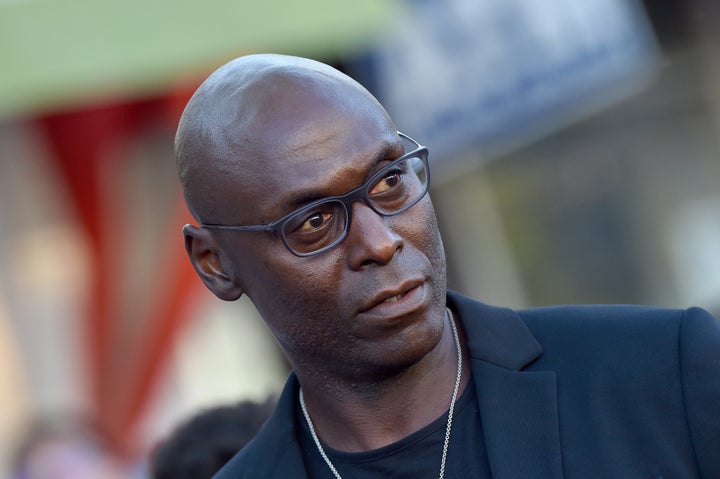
450	412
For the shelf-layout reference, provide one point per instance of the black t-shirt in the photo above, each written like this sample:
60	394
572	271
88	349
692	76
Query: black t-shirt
417	456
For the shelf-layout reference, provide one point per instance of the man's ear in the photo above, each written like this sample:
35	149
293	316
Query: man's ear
205	256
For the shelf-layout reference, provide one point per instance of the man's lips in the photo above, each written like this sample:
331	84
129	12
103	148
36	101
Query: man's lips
393	295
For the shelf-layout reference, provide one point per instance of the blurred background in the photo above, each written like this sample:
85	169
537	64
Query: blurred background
574	150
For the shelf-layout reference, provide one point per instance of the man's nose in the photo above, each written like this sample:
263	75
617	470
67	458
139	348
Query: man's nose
370	240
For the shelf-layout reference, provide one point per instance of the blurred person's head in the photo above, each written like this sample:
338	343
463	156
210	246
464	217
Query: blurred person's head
200	446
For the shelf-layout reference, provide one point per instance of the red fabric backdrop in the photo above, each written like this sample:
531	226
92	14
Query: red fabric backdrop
125	354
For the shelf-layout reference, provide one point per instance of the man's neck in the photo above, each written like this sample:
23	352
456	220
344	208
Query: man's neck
361	417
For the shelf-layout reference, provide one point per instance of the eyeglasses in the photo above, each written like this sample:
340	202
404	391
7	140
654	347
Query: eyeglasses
324	223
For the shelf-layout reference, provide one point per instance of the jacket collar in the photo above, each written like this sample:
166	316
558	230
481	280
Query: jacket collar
495	335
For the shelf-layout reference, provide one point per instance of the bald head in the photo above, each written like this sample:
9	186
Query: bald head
248	109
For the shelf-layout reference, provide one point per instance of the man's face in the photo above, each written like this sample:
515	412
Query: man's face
373	304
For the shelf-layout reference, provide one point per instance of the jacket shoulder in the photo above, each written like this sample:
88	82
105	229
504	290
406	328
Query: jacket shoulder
611	335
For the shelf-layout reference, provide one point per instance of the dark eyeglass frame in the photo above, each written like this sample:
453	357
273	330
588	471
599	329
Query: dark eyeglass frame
347	200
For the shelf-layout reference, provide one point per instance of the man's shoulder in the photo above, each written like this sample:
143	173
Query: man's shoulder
584	321
600	320
582	315
590	329
603	316
600	311
624	339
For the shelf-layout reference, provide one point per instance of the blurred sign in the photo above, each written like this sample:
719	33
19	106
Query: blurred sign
495	73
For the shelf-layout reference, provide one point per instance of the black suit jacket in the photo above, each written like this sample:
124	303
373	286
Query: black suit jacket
567	392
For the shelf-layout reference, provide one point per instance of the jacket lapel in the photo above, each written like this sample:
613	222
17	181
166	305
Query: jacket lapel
518	408
520	421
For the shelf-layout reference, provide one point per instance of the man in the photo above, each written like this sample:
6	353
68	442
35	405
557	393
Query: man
313	205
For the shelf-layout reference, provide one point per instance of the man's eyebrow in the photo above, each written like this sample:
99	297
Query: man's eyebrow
307	197
383	156
303	199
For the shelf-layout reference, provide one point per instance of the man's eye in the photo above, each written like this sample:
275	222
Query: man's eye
314	222
388	182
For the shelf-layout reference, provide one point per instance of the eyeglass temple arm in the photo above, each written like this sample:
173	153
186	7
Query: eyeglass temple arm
235	227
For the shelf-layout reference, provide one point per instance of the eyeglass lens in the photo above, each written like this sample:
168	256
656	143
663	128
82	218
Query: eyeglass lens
388	192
